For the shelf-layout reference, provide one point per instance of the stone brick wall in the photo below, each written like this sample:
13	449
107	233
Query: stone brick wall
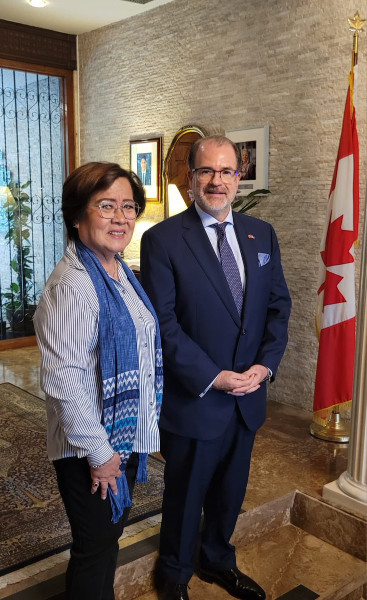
236	64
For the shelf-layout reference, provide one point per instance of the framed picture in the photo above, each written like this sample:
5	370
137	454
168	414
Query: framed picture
146	162
253	143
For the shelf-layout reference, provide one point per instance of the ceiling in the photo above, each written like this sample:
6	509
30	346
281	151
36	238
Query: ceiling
75	16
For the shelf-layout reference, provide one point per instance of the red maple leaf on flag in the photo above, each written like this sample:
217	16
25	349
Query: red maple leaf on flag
338	244
332	295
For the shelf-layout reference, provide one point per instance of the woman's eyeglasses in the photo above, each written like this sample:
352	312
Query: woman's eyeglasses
108	209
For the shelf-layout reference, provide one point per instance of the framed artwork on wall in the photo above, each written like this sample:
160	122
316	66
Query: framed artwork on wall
146	162
253	143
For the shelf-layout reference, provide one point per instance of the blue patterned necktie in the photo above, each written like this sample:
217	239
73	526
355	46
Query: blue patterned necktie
229	265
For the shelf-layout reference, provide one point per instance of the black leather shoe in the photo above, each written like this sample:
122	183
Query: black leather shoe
173	591
236	583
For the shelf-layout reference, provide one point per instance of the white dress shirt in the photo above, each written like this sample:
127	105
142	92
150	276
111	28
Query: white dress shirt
207	220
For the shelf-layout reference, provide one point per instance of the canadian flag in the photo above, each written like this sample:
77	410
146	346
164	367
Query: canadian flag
336	310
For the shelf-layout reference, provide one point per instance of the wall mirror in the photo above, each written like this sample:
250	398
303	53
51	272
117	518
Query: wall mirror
175	183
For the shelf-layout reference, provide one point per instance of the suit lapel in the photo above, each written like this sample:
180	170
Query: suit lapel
199	244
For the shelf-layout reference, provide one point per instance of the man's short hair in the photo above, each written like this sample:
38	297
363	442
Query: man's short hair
220	140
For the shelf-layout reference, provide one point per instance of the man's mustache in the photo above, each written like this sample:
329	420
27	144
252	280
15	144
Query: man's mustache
214	188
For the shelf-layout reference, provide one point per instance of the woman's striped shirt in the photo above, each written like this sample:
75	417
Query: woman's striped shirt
66	324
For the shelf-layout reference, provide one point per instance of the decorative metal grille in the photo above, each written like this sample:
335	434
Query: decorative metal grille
32	169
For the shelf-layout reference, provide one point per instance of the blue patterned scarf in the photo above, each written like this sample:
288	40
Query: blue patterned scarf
119	364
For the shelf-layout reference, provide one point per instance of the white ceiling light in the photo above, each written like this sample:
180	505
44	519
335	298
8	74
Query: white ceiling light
37	3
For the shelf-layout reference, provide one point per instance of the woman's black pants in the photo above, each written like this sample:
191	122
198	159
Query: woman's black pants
93	554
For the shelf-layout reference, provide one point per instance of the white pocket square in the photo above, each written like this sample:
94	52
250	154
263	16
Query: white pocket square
263	258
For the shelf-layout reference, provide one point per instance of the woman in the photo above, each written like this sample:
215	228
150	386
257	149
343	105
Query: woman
101	371
248	169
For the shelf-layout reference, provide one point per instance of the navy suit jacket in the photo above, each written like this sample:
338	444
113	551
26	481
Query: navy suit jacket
202	333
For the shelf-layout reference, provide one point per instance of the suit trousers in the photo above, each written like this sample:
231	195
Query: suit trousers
202	474
93	554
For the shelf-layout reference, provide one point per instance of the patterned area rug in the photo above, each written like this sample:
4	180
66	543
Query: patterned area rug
33	523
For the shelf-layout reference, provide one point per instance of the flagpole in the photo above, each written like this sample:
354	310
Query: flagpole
336	430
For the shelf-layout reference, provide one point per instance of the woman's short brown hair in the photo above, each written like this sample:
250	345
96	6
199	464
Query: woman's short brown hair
86	181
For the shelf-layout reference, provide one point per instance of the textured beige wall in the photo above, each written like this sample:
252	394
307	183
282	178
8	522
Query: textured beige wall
227	65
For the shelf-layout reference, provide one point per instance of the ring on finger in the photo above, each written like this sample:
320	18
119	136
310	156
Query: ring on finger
95	484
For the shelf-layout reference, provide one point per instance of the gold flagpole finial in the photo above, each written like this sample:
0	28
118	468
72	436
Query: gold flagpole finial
357	24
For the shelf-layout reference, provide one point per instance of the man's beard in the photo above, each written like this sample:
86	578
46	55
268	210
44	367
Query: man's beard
204	201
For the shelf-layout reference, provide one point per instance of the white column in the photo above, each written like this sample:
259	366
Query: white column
350	490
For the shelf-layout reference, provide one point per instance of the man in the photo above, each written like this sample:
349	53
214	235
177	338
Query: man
223	307
145	174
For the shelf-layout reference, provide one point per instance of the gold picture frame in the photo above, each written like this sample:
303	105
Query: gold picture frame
146	162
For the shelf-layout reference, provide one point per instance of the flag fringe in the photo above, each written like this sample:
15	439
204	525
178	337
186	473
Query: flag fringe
322	417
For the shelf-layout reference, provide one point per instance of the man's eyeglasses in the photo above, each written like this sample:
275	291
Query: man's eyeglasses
204	174
108	209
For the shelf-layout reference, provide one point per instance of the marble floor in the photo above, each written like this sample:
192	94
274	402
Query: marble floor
282	560
285	458
21	367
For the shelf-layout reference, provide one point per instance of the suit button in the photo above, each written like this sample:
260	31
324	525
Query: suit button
243	331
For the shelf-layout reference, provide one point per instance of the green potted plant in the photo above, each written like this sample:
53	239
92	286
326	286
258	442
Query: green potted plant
247	202
19	299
